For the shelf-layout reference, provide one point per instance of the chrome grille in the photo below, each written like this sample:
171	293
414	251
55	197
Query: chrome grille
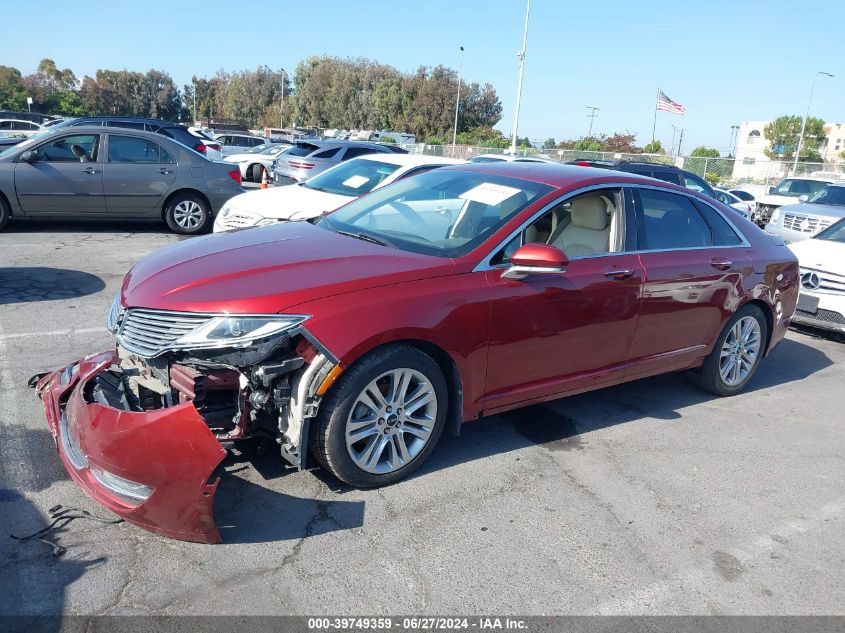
795	222
151	332
827	281
238	221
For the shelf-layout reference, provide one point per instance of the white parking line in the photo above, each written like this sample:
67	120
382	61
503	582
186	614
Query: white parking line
86	330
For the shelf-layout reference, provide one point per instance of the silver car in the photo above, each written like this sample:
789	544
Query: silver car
92	172
306	159
813	214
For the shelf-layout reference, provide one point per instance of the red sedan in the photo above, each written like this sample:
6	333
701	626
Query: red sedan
360	337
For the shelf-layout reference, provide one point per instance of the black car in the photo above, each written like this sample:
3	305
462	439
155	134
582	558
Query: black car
668	173
175	131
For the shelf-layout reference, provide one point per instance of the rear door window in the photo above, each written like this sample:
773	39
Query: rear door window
723	233
670	221
129	149
667	176
132	125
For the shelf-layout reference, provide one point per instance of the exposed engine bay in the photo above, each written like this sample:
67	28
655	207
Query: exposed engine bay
266	389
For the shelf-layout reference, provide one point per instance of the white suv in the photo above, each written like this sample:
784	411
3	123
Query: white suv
796	222
788	191
821	301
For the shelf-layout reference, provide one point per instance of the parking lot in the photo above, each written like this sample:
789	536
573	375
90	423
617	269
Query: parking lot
651	497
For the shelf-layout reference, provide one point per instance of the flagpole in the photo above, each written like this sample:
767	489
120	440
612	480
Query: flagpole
654	127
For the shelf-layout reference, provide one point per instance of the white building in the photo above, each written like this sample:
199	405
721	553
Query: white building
751	160
834	143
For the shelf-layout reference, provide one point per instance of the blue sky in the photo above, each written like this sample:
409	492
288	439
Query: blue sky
725	60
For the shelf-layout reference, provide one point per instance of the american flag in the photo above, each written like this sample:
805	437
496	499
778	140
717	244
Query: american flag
666	104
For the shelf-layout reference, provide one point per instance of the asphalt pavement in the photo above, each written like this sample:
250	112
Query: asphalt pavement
647	498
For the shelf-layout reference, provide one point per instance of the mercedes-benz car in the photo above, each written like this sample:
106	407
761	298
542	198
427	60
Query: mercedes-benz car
821	302
355	340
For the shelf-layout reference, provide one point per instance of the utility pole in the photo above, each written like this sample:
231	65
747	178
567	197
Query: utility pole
674	131
457	103
680	142
196	117
521	58
282	102
734	140
591	116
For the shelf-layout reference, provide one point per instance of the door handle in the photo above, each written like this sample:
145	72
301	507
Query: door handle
165	171
618	273
91	170
721	264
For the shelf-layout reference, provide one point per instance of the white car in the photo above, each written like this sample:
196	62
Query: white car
797	222
253	160
787	191
726	197
19	128
821	299
324	192
213	149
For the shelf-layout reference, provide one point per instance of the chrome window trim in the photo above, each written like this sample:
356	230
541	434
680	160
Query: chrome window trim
485	264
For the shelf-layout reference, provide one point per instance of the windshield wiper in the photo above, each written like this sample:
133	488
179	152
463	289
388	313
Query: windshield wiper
363	236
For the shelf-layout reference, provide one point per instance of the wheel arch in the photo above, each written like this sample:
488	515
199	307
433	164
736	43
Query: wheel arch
768	314
448	367
8	202
189	190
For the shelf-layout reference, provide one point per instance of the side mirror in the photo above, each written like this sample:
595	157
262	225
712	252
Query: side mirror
772	189
536	259
29	156
803	198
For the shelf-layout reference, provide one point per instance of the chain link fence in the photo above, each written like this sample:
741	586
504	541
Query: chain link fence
720	172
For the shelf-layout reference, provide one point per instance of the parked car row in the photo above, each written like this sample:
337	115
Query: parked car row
306	159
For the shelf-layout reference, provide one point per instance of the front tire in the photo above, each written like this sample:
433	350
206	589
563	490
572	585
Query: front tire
255	173
736	355
382	418
5	213
187	214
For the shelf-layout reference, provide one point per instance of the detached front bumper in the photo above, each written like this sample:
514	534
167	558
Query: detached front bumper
152	468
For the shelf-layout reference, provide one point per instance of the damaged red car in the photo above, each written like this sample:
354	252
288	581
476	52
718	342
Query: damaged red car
356	339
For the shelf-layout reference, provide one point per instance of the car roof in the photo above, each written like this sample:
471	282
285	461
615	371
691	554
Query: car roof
102	117
563	176
410	160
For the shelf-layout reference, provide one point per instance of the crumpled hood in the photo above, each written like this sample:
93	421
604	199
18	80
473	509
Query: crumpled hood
775	200
822	255
267	270
290	202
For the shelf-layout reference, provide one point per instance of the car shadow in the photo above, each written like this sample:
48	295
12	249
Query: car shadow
38	283
559	425
247	511
87	226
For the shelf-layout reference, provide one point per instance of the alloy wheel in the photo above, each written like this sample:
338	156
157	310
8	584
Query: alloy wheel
391	421
740	351
188	214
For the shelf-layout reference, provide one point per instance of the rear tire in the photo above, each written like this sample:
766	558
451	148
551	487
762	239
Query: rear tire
255	173
188	214
736	355
5	213
377	444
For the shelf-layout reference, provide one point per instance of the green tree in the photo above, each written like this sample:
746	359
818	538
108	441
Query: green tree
483	136
783	133
12	90
588	144
705	152
549	143
655	147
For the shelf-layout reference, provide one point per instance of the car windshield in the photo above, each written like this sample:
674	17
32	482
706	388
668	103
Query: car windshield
830	195
352	178
798	187
444	212
833	233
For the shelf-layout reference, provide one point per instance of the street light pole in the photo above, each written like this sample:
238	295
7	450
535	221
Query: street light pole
521	58
457	103
734	139
591	116
804	122
282	101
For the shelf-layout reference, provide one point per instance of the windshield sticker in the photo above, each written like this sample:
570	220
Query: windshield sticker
354	182
489	194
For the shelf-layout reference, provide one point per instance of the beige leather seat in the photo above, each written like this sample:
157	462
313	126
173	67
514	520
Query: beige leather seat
588	232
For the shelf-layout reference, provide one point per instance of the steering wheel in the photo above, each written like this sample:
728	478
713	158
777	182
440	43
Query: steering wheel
409	214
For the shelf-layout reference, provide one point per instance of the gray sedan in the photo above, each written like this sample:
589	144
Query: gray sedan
101	173
306	159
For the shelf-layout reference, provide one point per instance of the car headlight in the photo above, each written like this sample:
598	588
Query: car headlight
115	315
237	331
775	215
